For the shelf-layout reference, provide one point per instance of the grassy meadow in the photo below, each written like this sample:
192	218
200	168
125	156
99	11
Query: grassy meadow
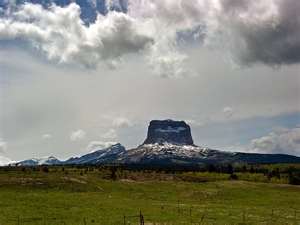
82	196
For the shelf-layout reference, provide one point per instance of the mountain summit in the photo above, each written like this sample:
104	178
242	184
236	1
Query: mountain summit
168	143
100	156
51	160
169	131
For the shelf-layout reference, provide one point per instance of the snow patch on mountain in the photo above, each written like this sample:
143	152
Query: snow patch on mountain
171	129
168	142
51	160
105	155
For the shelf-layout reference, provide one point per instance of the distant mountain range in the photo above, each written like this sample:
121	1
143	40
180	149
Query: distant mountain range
40	161
168	143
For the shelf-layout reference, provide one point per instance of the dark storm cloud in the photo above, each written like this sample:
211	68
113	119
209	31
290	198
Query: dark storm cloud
271	38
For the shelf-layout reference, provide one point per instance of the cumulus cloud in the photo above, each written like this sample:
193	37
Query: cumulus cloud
198	123
264	31
3	146
62	36
4	161
46	136
111	134
279	141
169	64
228	111
121	122
77	135
97	145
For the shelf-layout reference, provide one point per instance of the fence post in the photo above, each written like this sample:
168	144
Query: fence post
141	218
124	220
191	214
272	213
18	220
84	221
202	218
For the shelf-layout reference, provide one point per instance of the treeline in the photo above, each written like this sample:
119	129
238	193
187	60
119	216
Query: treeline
280	173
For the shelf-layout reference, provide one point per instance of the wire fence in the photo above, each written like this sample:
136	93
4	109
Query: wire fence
190	215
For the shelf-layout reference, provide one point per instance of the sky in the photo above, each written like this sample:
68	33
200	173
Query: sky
70	82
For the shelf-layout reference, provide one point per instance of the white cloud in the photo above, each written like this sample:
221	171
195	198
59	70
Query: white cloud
61	34
121	122
97	145
111	134
198	123
236	147
4	161
266	31
169	64
77	135
3	146
228	111
46	136
279	141
79	96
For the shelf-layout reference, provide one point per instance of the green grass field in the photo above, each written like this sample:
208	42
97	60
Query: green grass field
73	197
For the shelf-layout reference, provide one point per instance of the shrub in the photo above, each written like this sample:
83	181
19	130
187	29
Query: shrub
294	178
233	176
45	169
229	169
113	175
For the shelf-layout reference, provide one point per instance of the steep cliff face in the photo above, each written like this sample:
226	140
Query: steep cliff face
169	131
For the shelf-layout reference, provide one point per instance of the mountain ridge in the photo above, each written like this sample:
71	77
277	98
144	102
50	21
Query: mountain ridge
168	142
51	160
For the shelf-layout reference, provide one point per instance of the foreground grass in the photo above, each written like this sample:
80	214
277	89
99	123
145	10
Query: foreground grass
73	198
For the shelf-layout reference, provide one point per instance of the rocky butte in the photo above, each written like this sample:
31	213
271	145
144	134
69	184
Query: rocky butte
169	131
168	142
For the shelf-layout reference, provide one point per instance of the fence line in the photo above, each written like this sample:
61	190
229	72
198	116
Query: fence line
194	217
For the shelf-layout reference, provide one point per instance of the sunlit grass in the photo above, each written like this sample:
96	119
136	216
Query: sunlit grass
74	198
